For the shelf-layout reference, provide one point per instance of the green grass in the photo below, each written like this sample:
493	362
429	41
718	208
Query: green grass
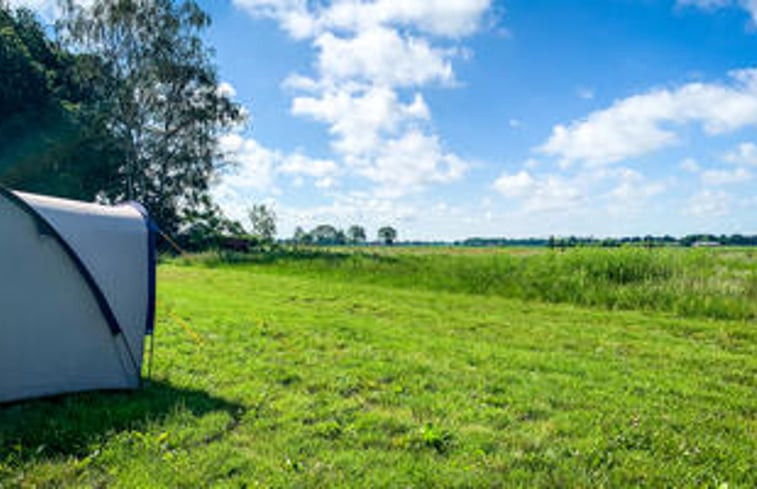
305	372
719	284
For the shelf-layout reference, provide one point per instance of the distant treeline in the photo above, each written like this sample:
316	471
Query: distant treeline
573	241
554	242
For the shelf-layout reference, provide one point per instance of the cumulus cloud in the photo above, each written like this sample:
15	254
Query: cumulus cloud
376	141
299	164
365	53
410	162
360	118
382	57
632	188
645	123
254	164
515	185
725	177
293	15
256	167
603	192
544	193
305	18
744	154
709	204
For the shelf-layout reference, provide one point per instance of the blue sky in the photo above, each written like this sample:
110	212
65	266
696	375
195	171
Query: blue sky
457	118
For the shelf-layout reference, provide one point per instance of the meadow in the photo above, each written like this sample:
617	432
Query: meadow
687	282
423	368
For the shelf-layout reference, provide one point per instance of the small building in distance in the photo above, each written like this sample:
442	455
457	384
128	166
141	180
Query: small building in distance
705	244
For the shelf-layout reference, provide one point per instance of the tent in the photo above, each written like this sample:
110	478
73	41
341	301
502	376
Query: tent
77	295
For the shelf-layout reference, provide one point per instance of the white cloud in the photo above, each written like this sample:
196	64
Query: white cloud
255	165
632	195
325	182
360	119
708	204
590	193
293	15
366	51
515	185
411	162
531	164
226	89
633	188
725	177
382	57
377	134
301	82
642	124
299	164
451	18
690	165
744	154
546	193
303	18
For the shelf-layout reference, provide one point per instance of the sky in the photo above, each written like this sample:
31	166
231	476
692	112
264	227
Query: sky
450	119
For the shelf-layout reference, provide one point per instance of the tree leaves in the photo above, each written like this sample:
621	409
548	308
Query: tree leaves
165	107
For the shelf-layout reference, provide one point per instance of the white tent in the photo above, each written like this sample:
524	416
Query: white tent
77	295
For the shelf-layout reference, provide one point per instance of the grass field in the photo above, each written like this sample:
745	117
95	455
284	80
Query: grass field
720	284
413	369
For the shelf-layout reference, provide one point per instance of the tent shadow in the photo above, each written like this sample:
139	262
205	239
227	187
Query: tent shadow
68	425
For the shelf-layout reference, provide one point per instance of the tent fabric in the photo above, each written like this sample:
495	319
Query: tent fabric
76	295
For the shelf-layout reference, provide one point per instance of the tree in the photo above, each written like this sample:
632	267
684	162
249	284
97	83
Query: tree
263	220
206	227
356	234
324	234
161	101
387	234
301	237
53	141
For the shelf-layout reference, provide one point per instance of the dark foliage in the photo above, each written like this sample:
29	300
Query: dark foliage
54	141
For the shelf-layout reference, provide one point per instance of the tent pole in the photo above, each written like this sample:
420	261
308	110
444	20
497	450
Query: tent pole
149	358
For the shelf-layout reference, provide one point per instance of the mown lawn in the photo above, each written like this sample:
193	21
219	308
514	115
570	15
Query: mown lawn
276	379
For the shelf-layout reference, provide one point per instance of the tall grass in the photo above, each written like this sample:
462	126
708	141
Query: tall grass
687	282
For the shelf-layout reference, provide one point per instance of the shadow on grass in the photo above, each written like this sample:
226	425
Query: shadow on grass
68	425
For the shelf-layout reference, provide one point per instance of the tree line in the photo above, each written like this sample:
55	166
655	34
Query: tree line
261	234
648	240
326	234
